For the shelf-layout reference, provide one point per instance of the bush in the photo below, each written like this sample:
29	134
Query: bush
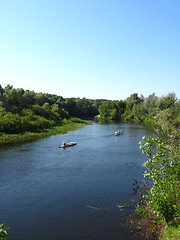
163	167
171	233
77	120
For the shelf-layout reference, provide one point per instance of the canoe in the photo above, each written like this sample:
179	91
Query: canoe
68	144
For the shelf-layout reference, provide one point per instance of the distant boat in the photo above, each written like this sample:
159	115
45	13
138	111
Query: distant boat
64	145
118	132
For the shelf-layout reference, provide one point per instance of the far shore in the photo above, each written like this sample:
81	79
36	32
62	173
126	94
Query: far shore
7	139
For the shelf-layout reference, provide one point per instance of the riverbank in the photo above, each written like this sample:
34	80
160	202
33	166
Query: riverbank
151	228
66	126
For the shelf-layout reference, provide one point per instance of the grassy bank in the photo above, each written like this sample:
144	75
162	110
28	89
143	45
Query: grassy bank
66	126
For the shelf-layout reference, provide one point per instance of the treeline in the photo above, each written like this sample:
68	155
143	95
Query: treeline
140	109
24	110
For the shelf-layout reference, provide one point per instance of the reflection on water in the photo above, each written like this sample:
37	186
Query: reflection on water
72	194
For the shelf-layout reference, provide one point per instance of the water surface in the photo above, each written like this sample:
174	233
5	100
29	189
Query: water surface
72	194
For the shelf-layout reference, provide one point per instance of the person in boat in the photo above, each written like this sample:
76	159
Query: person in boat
64	144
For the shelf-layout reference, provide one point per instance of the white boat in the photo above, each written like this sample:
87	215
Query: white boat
68	144
118	132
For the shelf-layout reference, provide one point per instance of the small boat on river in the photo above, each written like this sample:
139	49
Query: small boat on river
118	132
64	145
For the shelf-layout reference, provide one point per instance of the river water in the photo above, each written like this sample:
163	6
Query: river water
49	193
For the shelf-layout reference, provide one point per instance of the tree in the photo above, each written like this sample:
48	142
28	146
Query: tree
28	98
60	111
149	104
104	110
70	106
163	168
133	99
176	110
40	99
121	106
46	106
1	92
166	102
114	114
10	99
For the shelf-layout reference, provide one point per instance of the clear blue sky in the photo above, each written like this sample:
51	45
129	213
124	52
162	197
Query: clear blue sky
91	48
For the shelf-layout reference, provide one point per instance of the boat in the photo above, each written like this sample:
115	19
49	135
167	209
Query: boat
118	132
64	145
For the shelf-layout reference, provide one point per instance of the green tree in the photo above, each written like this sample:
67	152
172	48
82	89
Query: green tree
60	111
70	106
149	104
10	123
114	114
1	92
121	105
166	102
28	98
176	111
40	99
163	168
104	110
46	106
133	100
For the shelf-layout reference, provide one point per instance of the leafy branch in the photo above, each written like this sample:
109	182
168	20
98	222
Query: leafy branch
3	232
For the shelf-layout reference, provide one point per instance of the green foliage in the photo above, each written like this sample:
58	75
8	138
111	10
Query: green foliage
9	123
41	99
171	233
82	108
177	119
16	100
65	126
3	232
77	120
22	111
163	167
28	98
112	110
133	99
140	109
141	211
104	110
176	110
166	102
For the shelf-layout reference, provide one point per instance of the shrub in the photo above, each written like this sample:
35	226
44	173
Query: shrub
163	167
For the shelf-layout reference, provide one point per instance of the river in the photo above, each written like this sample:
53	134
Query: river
49	193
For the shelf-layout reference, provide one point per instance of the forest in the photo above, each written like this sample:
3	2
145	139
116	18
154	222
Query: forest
140	109
26	111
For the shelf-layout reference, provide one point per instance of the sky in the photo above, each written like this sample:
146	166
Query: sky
97	49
